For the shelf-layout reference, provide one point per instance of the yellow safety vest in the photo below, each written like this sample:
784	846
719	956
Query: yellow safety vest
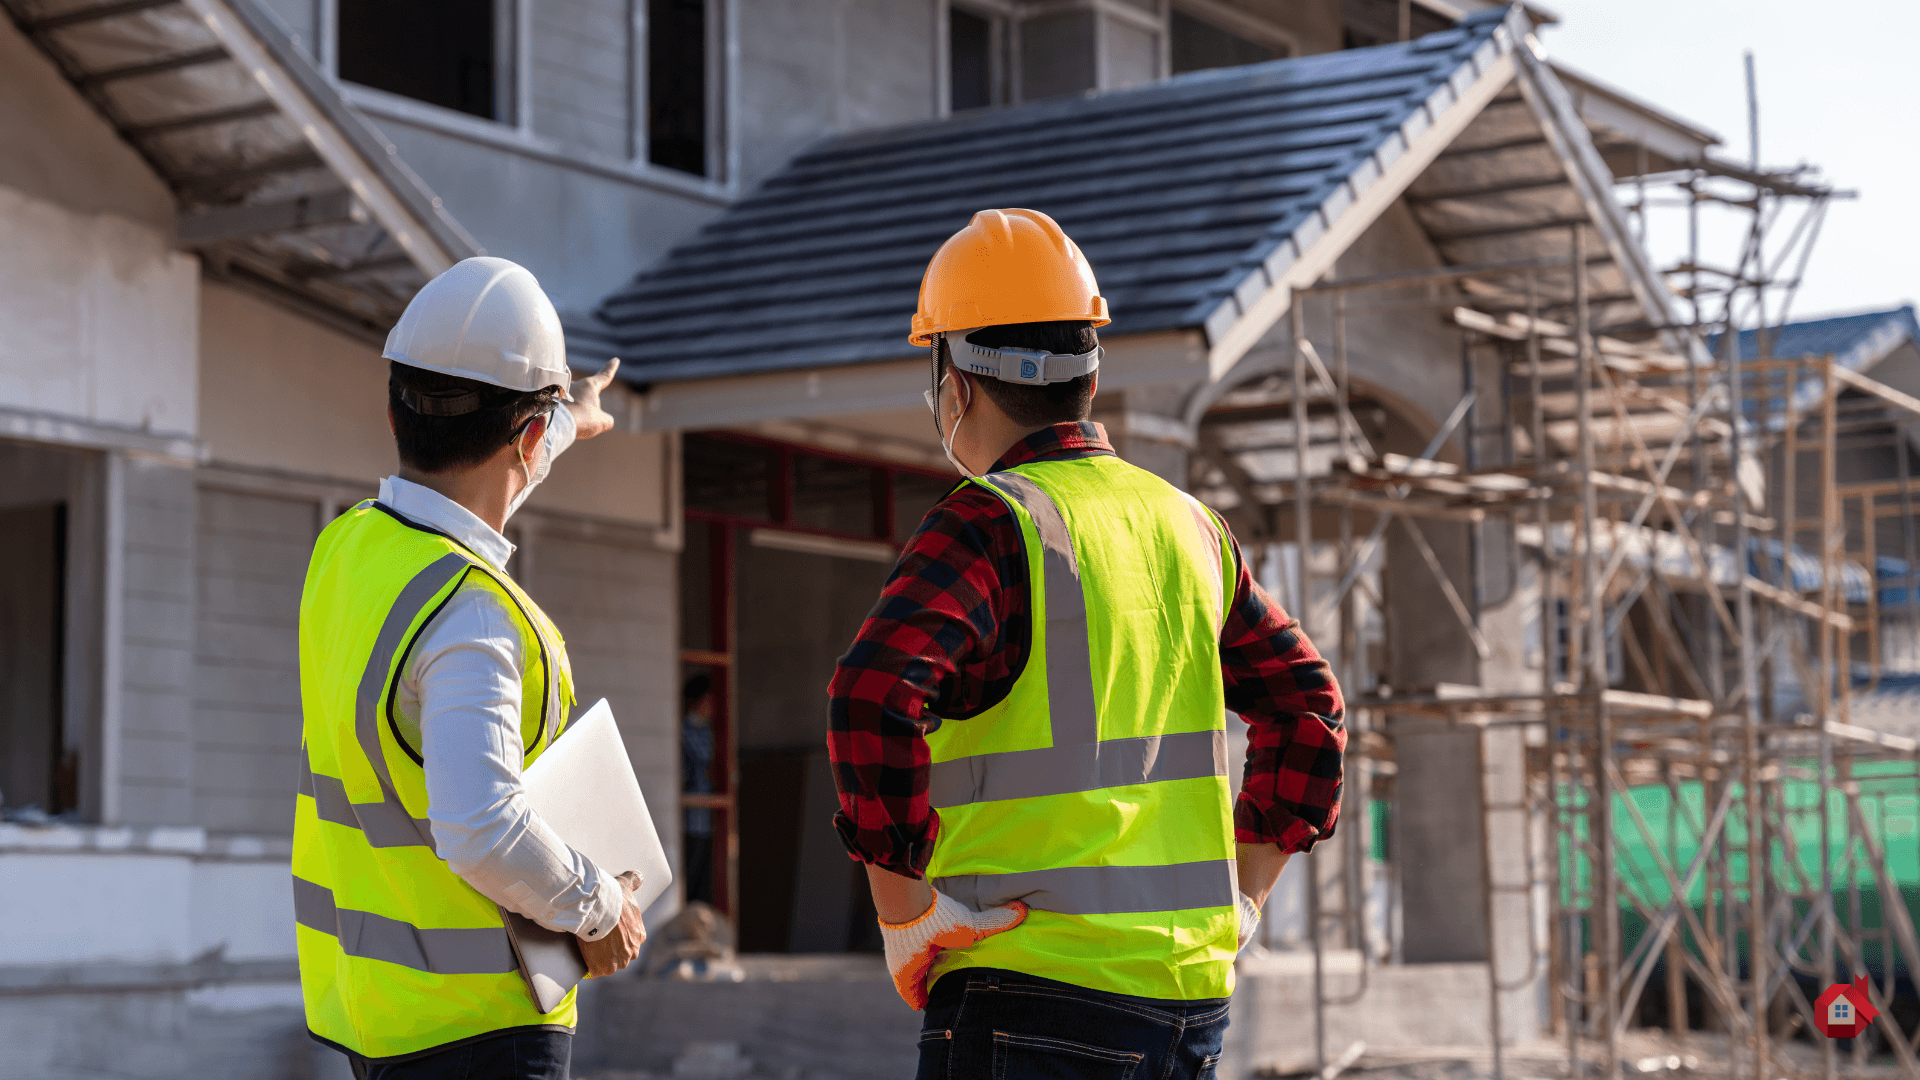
1098	790
397	953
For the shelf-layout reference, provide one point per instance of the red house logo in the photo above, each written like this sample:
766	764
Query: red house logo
1844	1011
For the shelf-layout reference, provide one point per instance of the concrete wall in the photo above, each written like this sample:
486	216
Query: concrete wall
611	592
285	394
582	65
97	320
583	232
197	982
252	558
58	149
150	768
813	68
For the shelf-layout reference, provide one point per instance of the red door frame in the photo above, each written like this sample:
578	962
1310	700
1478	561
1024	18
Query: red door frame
719	659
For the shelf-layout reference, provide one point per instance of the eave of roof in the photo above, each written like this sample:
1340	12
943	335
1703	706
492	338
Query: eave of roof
1671	139
282	188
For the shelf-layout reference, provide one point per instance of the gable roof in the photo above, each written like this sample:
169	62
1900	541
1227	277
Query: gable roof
1191	198
1856	341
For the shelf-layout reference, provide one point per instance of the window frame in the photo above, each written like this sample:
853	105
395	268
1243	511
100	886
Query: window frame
512	47
1002	37
1234	21
720	186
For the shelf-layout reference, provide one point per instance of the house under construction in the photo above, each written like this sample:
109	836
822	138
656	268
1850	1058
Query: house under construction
1623	603
1705	545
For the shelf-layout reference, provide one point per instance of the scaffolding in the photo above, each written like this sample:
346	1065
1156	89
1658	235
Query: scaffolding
1701	617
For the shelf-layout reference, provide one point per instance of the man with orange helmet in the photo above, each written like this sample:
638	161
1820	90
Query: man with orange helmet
1029	732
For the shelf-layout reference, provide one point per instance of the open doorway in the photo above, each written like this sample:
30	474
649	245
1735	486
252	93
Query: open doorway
49	515
787	549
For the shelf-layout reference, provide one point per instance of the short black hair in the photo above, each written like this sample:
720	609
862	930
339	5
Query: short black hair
434	444
1036	406
697	686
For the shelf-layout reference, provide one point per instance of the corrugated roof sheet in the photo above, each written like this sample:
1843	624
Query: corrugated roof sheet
1176	191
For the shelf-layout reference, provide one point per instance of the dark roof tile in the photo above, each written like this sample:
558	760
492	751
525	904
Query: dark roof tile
1179	192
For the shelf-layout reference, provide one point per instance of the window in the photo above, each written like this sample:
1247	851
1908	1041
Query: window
970	60
450	53
1198	45
677	85
1377	22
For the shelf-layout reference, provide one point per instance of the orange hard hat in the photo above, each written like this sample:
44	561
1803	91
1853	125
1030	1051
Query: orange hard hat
1006	266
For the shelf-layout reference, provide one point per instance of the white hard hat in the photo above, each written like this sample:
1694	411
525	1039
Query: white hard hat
484	319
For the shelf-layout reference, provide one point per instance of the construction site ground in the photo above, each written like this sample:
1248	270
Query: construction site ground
1644	1052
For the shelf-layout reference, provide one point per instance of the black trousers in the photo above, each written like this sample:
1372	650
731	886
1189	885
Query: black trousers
531	1054
989	1024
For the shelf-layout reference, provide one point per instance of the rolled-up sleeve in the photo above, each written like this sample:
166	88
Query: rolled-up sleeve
934	642
1296	731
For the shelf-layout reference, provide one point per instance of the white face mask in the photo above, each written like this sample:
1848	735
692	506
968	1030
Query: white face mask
535	473
946	437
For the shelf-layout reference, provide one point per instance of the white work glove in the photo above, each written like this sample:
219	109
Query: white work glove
947	924
1249	919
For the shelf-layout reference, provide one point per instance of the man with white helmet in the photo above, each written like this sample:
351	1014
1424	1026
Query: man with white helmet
428	681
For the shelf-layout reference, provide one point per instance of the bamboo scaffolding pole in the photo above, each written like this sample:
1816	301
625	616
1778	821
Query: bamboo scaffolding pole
1627	443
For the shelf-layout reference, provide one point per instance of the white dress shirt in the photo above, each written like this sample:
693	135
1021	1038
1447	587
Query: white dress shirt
462	684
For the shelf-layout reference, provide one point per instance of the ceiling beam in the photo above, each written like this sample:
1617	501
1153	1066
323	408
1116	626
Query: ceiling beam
1531	184
240	222
1493	148
196	58
199	119
293	162
364	266
1510	230
91	14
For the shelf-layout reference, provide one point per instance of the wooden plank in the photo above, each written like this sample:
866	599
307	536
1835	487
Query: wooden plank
1878	389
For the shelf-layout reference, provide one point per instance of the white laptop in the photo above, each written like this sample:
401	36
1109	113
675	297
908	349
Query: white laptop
584	788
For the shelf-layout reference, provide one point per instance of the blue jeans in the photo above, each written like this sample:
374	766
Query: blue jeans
528	1054
988	1024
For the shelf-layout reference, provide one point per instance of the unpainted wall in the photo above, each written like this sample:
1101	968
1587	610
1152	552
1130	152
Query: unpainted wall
97	319
581	231
813	68
283	393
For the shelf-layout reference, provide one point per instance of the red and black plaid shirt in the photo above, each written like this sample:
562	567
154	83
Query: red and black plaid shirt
951	633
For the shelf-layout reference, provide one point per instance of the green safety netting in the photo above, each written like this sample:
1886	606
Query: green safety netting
1887	801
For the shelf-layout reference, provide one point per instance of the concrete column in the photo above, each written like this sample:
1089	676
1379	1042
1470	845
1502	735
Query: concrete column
1436	839
1436	815
1144	424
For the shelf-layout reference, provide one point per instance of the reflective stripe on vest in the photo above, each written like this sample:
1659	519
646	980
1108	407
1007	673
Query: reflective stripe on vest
387	822
397	953
1125	853
1078	760
1102	890
482	951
